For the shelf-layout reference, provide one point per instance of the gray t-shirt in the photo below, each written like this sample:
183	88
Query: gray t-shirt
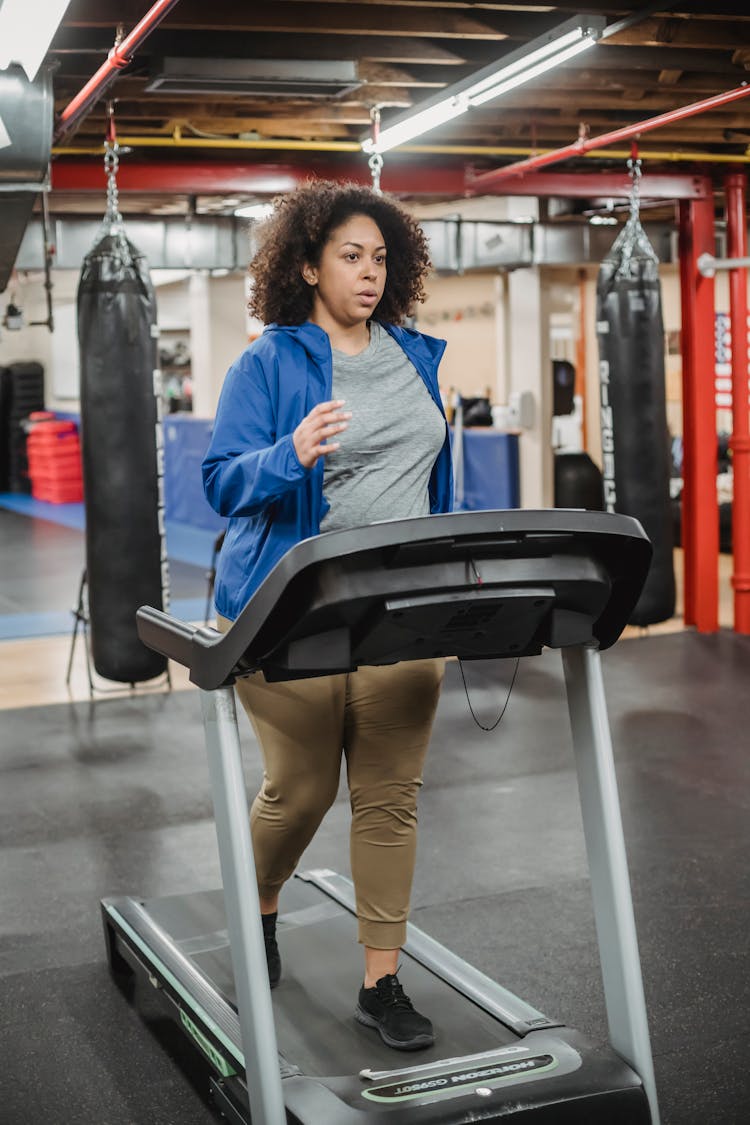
396	431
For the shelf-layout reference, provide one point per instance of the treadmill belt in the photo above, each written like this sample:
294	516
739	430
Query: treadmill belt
322	972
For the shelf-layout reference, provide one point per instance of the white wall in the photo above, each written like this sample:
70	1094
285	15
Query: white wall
229	332
463	312
527	311
210	312
57	352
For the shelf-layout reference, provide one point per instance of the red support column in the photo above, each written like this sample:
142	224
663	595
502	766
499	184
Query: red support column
735	189
700	509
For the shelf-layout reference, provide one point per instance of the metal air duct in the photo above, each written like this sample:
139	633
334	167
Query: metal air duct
26	114
255	77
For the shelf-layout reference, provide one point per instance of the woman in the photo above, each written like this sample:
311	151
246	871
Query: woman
330	420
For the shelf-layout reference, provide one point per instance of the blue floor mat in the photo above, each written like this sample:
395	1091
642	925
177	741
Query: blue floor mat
17	626
185	543
69	515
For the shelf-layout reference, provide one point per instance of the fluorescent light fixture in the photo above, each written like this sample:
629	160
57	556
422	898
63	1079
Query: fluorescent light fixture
254	211
519	66
25	35
540	54
420	123
531	72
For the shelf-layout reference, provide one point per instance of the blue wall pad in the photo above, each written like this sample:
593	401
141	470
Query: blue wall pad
185	443
16	626
491	471
189	544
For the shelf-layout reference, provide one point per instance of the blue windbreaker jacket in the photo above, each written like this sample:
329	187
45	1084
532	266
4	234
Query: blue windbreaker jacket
251	472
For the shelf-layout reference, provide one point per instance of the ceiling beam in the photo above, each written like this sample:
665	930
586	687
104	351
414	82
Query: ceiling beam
217	44
708	133
705	34
421	51
603	78
670	77
315	18
131	102
381	74
612	56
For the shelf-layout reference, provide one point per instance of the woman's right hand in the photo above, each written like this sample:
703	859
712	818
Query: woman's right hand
323	421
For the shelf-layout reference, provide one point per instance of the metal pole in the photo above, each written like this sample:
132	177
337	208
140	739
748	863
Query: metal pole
708	265
242	908
700	510
120	57
608	866
486	182
735	189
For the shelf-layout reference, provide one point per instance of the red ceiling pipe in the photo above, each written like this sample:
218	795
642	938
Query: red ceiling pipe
487	181
117	59
735	191
700	509
203	177
406	176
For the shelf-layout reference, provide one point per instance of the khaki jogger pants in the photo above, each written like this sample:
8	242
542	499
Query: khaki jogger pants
380	719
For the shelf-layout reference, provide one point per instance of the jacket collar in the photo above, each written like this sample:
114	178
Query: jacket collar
310	336
416	344
316	343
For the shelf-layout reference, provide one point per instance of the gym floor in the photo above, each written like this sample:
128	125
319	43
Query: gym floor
111	796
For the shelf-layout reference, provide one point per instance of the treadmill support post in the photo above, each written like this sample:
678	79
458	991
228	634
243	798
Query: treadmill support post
610	884
242	908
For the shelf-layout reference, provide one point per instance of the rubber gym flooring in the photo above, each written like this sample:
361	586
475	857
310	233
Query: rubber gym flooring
111	797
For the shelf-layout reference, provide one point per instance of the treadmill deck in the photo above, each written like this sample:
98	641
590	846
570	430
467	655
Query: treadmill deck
181	944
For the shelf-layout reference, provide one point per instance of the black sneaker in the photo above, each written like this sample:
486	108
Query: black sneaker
273	960
387	1008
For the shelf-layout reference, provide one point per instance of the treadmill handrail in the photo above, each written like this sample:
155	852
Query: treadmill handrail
215	659
166	634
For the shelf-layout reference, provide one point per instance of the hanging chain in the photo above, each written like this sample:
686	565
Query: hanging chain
376	160
634	168
376	166
112	150
111	164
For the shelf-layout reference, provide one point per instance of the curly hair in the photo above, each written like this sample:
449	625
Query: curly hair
298	229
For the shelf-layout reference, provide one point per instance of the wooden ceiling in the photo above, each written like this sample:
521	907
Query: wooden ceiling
402	52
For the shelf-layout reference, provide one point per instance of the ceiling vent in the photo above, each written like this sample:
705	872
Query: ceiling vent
268	78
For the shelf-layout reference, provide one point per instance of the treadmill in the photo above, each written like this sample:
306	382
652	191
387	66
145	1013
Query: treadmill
474	585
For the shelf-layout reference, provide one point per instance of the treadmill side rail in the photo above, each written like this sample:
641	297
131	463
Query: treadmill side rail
465	978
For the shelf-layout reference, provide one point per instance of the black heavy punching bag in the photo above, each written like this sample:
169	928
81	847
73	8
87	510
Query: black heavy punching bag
122	453
635	441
